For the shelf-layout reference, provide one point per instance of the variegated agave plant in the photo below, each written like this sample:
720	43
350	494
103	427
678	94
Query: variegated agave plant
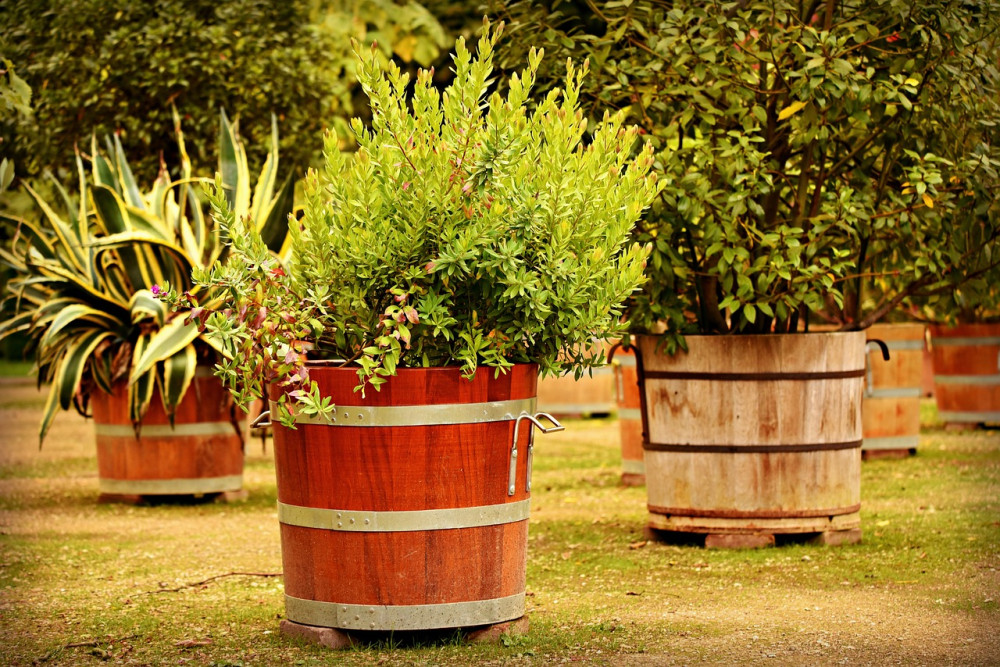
87	276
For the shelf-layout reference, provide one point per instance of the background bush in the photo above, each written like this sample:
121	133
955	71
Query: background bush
103	66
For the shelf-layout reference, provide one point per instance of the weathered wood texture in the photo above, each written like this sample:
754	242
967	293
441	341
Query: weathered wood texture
393	469
967	372
629	418
201	454
739	455
566	396
891	405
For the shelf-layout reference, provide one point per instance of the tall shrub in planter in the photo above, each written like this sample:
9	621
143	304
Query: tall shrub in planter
469	243
84	295
808	149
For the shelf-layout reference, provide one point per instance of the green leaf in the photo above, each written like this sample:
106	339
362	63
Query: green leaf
166	342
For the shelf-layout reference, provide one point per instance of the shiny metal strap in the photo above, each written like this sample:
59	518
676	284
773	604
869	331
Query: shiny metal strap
967	379
634	467
403	617
967	341
171	487
419	415
403	521
166	430
633	414
970	417
893	392
912	344
890	442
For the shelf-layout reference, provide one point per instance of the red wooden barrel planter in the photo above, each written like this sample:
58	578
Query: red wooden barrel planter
629	418
202	453
755	434
967	372
891	406
410	510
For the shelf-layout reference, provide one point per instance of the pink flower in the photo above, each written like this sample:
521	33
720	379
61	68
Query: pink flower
156	290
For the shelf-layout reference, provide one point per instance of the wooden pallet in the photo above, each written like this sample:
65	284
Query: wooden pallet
180	499
753	540
335	638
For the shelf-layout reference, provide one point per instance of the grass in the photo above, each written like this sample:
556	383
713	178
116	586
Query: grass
82	583
16	369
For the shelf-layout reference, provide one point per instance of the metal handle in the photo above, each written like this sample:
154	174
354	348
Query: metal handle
869	384
512	474
259	422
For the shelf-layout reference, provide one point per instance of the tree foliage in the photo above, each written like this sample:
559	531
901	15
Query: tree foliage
110	66
808	147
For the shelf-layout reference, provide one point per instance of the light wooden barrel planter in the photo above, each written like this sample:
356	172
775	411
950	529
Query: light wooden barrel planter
755	436
201	454
891	406
629	418
409	511
967	372
591	395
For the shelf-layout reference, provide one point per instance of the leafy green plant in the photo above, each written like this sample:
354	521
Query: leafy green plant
87	276
808	149
466	230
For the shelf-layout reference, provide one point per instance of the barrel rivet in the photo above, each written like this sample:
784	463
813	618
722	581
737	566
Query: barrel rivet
344	609
340	524
367	521
352	520
339	515
373	624
357	617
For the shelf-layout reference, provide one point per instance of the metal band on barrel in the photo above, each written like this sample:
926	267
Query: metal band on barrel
166	430
971	417
420	415
633	467
914	344
754	514
750	449
390	522
171	487
967	379
403	617
753	377
966	341
893	392
891	442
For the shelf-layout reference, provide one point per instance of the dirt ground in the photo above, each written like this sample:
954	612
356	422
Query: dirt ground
612	600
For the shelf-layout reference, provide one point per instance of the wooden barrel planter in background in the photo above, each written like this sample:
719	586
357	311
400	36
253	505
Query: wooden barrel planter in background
200	455
591	395
891	406
749	437
629	417
410	510
967	373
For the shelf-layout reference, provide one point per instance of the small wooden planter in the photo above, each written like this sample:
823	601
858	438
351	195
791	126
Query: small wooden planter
410	510
749	437
200	455
891	406
967	373
591	395
629	418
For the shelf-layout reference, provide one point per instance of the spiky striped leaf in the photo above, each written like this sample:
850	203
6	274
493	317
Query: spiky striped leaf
80	316
168	341
178	371
143	304
141	384
74	358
